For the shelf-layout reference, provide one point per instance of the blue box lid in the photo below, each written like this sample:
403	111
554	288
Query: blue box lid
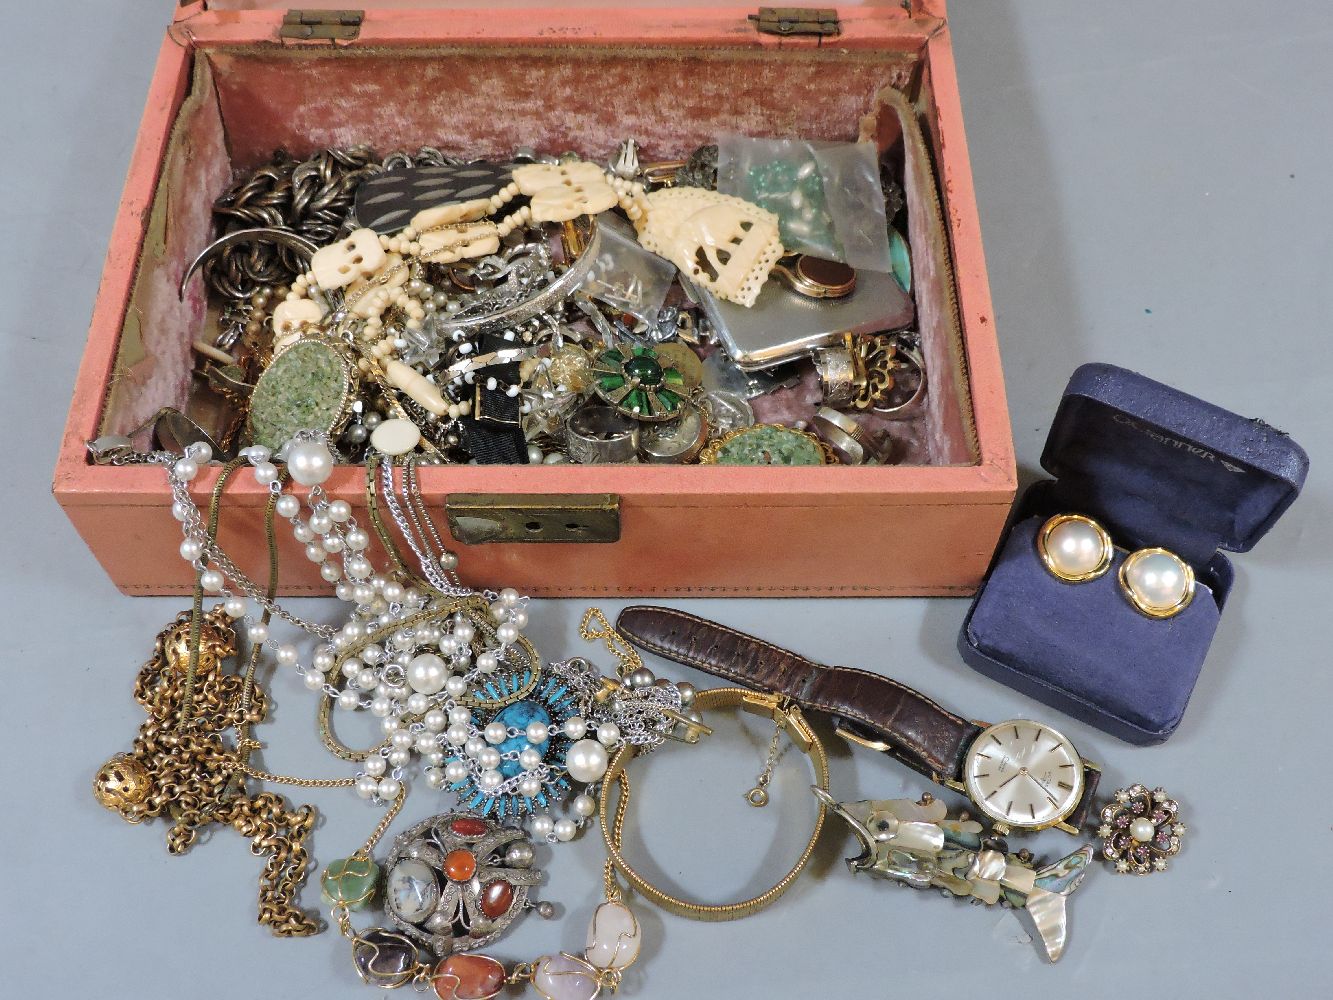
1160	467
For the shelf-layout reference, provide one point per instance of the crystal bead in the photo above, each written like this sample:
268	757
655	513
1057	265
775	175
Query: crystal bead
563	977
383	958
468	977
349	882
613	937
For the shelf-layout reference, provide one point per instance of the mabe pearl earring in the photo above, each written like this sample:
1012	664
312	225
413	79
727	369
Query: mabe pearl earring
1074	548
1157	582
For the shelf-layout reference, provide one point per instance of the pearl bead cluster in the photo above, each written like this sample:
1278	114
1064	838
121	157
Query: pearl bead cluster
330	530
632	197
416	692
194	547
415	687
416	681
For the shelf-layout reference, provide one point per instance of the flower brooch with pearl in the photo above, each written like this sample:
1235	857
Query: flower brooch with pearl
1140	830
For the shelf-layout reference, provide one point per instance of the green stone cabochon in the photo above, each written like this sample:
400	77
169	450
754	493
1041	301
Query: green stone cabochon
650	399
350	882
645	369
762	445
305	388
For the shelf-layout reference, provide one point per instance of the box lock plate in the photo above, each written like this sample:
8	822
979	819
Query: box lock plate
482	518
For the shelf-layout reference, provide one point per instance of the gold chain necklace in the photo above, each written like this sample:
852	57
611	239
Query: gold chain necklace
181	766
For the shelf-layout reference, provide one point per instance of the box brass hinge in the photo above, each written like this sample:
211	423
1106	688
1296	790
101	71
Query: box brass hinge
486	518
822	21
315	25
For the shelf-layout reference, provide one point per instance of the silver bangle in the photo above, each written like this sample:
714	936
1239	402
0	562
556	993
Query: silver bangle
598	435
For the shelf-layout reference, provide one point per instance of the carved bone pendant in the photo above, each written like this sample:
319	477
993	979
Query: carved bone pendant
357	255
722	243
564	191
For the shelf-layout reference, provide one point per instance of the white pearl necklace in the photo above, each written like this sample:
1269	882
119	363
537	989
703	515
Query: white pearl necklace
395	684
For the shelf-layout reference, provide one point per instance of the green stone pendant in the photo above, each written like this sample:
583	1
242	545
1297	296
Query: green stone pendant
767	444
349	882
306	387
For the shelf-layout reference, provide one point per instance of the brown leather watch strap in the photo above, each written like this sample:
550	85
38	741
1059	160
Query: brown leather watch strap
907	724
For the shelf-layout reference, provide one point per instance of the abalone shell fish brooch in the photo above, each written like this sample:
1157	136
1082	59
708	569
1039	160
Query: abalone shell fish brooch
916	844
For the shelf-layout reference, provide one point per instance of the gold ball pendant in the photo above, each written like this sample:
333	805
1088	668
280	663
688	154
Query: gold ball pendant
122	782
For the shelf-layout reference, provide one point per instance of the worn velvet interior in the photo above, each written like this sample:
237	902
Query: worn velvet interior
1161	467
247	102
1156	467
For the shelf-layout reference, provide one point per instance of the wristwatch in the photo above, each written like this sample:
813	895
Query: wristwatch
1021	774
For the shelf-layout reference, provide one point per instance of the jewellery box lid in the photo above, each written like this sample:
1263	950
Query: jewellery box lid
1160	467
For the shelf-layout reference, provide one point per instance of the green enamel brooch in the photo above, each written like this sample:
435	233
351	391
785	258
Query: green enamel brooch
637	384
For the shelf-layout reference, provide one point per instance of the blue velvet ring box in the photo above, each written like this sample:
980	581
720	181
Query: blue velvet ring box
1155	467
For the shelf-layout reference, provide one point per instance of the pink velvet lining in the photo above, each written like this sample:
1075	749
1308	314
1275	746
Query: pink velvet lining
480	102
949	437
155	359
246	103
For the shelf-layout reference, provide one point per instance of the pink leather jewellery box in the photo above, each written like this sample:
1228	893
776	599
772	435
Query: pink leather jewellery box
237	79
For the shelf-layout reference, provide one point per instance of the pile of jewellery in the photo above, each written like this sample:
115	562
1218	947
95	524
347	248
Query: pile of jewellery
526	750
540	310
423	310
521	746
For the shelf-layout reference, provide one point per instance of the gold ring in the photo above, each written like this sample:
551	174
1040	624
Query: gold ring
789	718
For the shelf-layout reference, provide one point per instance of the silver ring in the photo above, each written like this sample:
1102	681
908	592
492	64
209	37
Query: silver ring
838	379
907	408
674	443
598	435
834	426
842	434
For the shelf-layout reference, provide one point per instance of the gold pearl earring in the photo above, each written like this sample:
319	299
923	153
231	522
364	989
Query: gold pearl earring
1074	548
1158	583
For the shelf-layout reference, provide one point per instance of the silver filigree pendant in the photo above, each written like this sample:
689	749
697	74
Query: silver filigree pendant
456	882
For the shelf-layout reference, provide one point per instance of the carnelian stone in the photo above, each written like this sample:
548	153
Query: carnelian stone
468	826
496	898
460	865
468	977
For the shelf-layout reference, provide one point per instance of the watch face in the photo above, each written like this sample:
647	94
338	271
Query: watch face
1023	773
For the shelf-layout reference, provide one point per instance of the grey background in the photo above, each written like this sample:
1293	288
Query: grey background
1154	189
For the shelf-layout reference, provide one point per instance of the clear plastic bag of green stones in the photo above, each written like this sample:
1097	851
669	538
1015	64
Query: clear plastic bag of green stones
827	195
